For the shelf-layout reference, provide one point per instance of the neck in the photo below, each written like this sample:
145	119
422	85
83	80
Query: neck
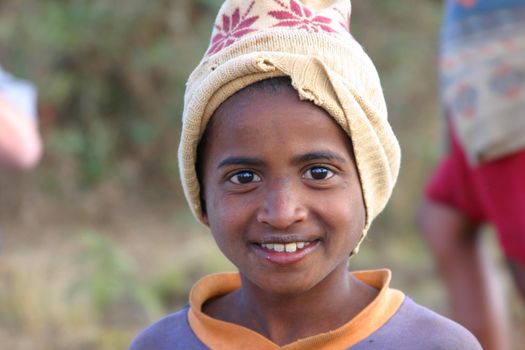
286	318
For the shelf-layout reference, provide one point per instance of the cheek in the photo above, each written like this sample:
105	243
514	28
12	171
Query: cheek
223	204
357	205
346	214
358	216
350	216
221	229
227	215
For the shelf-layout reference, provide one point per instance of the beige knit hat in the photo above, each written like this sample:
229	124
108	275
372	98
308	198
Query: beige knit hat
309	41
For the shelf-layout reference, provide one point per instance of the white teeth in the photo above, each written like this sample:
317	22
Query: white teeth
279	248
288	248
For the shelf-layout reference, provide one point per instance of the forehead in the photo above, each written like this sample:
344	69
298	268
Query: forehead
258	106
260	118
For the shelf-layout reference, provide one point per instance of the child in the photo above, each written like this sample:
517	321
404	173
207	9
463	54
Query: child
287	155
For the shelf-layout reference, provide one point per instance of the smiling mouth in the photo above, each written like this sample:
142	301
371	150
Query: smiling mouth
291	247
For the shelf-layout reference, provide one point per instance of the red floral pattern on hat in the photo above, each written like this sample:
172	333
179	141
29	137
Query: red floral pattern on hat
345	21
298	16
232	28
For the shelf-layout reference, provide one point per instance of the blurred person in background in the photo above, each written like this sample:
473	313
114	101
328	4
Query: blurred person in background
20	143
481	178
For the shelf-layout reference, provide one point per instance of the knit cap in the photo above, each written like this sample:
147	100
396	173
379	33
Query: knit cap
310	42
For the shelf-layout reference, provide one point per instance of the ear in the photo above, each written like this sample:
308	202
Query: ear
205	219
204	210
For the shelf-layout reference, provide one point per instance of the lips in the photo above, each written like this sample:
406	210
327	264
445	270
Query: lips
287	252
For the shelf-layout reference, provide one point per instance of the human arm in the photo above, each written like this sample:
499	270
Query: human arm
455	243
20	144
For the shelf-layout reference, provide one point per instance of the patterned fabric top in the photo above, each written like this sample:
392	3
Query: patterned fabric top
483	75
464	17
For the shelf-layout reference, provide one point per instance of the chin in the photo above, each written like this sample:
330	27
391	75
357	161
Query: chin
286	284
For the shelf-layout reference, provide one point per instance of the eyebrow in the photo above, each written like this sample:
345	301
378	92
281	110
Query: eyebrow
320	155
240	161
303	158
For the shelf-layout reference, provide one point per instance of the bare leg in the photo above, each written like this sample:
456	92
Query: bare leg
518	272
455	244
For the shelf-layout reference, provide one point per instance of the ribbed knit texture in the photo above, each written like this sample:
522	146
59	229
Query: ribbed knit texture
256	40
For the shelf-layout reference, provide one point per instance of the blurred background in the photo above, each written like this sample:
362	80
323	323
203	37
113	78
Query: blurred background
98	242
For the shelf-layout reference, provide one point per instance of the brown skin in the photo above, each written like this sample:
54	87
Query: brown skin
476	303
517	268
292	178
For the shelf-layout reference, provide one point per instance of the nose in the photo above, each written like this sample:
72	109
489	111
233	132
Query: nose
282	206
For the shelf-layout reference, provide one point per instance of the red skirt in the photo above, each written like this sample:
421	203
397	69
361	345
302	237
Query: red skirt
492	192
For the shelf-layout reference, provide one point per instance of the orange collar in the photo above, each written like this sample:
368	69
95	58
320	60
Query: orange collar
220	335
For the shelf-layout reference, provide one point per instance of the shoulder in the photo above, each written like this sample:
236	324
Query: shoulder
430	328
171	332
416	327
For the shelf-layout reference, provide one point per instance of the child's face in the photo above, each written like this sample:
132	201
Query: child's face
278	173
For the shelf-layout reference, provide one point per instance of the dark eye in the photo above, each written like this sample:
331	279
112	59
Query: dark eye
318	173
245	177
